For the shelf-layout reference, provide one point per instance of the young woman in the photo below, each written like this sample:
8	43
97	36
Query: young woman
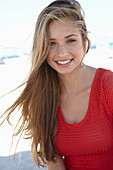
66	106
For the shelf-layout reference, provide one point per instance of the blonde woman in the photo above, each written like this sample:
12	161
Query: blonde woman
66	106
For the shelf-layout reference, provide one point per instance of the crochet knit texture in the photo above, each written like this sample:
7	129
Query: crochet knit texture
88	145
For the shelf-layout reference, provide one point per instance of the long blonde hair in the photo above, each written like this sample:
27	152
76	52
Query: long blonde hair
40	98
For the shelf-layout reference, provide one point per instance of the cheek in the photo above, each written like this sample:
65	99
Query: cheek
49	59
50	52
50	62
77	49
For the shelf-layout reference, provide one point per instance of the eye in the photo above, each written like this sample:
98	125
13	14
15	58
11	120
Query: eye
71	41
52	43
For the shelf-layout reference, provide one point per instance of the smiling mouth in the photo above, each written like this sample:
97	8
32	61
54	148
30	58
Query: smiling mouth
64	62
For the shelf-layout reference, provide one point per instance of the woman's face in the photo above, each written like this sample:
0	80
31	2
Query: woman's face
66	46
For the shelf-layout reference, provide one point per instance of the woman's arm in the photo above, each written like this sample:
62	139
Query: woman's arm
58	165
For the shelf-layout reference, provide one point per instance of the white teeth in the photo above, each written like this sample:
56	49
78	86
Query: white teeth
63	62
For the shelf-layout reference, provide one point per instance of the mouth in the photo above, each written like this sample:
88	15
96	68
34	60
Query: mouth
64	62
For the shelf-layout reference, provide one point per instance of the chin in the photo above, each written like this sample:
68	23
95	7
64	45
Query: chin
64	72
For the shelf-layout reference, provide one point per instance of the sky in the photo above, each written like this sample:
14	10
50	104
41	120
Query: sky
18	18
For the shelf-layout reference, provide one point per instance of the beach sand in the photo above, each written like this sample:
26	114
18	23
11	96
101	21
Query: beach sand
12	73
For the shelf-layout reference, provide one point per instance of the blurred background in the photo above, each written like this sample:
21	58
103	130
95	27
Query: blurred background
18	18
17	24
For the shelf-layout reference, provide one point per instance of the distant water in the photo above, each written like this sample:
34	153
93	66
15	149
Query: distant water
111	45
7	53
108	45
10	51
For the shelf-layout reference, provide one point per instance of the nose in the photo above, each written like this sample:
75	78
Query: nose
62	51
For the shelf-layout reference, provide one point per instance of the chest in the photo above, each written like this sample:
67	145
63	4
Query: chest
75	107
93	135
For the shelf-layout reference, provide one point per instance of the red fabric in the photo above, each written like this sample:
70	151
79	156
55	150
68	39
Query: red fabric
88	145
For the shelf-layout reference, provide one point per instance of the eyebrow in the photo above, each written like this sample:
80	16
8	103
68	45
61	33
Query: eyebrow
68	36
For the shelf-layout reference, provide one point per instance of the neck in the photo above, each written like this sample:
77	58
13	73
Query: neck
71	82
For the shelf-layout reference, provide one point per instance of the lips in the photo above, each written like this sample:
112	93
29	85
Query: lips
64	62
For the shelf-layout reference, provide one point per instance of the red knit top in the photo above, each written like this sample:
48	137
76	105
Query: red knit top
88	145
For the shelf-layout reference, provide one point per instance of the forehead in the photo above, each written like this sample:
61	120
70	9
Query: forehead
62	27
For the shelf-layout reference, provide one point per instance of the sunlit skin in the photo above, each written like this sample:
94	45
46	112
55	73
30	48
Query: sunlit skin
66	46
